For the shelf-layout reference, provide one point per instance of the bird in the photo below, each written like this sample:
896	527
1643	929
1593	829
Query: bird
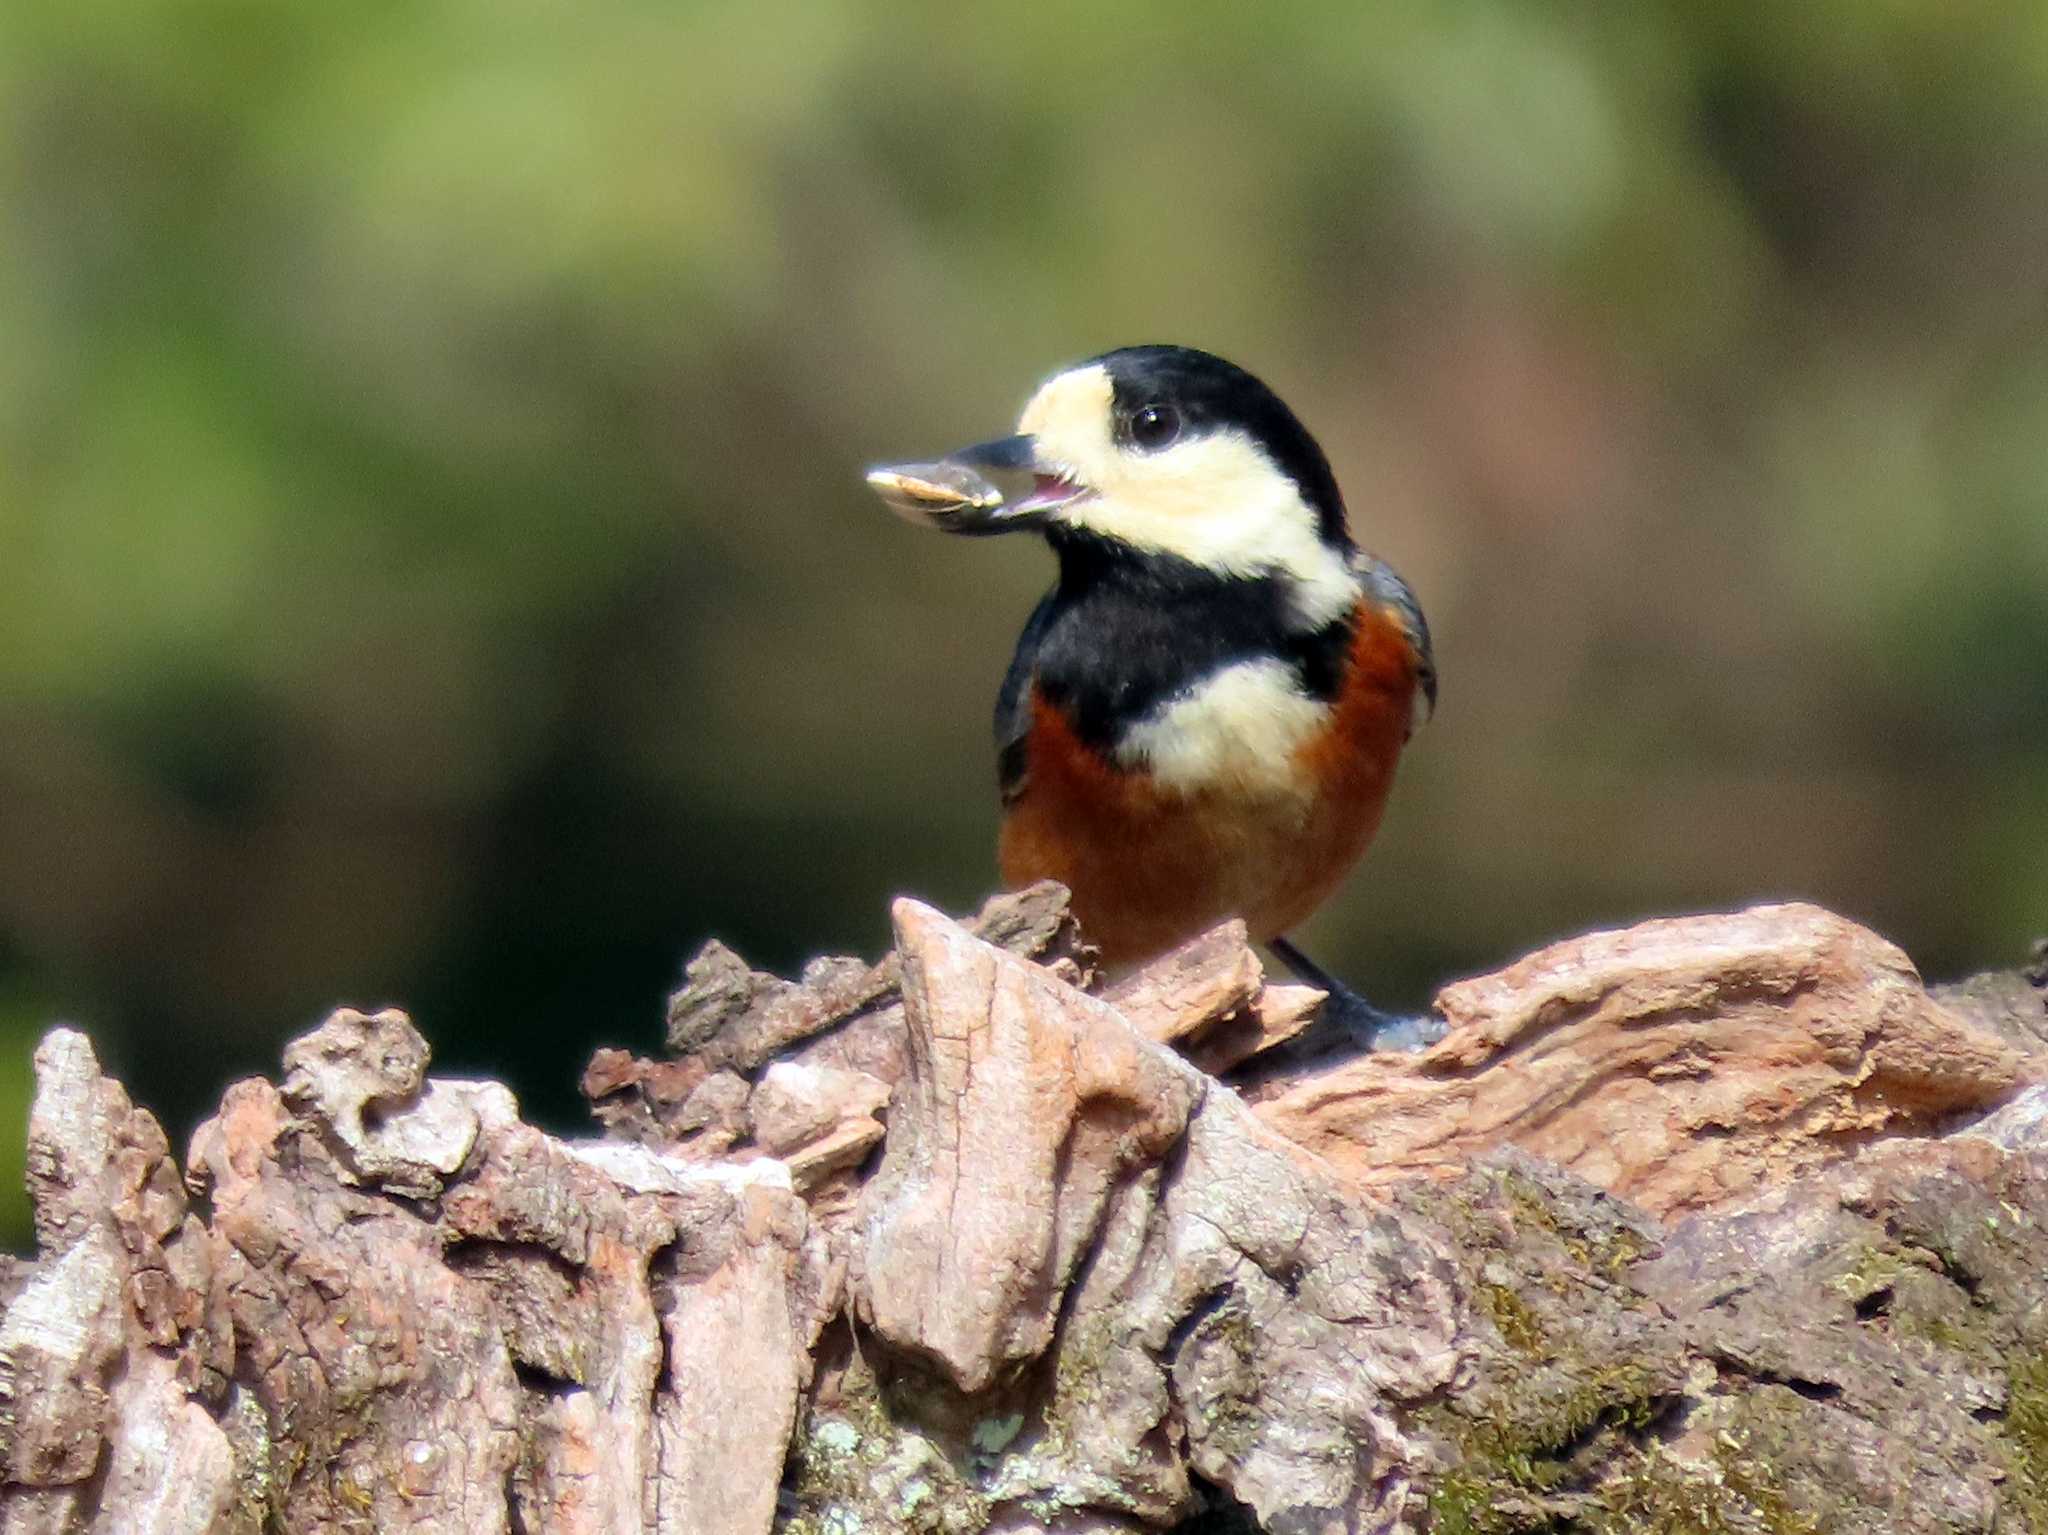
1203	716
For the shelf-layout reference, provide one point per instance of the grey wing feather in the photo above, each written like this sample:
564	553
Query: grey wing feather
1384	585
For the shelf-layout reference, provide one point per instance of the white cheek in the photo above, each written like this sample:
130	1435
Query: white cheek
1238	731
1220	503
1215	500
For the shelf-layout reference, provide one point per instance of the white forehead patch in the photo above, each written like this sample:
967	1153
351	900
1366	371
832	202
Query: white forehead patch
1071	416
1215	500
1236	732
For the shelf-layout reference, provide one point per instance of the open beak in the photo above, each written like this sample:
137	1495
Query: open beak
993	487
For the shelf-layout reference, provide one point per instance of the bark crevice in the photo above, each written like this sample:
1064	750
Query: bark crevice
1716	1224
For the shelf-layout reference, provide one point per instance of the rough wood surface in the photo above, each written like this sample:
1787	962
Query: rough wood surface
1716	1224
1680	1063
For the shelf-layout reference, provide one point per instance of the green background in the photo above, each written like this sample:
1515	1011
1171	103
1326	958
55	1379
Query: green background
434	566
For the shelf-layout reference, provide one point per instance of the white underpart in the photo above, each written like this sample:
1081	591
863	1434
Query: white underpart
1214	500
1236	731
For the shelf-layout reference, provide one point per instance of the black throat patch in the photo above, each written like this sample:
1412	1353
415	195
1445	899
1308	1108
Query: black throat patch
1125	632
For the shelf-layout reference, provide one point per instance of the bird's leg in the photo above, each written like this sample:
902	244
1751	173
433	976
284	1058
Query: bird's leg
1369	1026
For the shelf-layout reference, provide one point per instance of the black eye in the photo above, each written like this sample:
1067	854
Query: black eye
1155	426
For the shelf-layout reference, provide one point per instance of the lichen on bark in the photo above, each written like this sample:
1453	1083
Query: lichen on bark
1723	1226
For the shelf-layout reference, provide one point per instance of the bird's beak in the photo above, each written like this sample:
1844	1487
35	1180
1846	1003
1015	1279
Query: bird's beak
993	487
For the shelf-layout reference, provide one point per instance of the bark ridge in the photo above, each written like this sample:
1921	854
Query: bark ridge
1713	1224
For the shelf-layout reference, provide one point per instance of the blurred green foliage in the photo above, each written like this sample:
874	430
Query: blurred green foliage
433	559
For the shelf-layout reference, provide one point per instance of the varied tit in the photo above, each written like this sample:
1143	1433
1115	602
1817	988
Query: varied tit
1203	716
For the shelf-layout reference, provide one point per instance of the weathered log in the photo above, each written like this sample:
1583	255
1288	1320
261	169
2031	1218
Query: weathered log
1720	1224
1681	1063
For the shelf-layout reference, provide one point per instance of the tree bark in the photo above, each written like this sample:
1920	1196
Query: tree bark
1716	1224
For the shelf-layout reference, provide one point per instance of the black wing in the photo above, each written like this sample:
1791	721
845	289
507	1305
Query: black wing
1013	700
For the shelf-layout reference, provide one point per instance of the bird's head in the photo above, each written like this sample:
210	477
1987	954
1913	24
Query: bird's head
1150	452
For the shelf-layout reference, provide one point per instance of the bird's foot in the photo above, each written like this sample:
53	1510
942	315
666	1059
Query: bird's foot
1348	1014
1372	1028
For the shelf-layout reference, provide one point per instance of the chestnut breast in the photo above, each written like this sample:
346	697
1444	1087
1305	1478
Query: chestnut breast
1246	797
